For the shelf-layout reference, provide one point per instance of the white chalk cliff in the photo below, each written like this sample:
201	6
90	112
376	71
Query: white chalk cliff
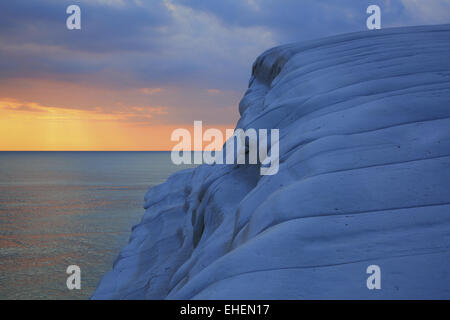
364	179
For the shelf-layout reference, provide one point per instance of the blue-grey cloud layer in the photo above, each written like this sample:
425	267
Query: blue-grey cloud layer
204	43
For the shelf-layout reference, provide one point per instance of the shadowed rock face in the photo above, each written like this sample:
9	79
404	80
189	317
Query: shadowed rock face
364	179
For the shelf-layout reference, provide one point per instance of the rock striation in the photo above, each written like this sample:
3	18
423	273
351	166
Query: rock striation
364	179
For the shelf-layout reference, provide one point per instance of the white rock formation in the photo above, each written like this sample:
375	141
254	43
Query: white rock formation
364	179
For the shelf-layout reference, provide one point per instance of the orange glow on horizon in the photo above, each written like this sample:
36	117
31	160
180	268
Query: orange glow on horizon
33	127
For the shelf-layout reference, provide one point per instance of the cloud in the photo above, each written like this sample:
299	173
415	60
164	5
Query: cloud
428	12
127	43
192	42
125	114
23	108
172	53
150	91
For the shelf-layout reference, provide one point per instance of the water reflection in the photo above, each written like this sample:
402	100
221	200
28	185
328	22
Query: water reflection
63	208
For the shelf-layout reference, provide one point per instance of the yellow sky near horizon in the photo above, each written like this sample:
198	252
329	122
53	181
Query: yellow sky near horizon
34	127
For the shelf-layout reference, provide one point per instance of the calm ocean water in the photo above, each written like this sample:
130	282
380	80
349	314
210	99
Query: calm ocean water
64	208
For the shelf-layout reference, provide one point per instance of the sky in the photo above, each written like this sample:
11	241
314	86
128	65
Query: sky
139	69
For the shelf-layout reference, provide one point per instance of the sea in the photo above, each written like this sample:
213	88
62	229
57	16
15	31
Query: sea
69	208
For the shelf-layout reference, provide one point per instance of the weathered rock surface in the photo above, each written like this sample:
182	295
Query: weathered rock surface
364	179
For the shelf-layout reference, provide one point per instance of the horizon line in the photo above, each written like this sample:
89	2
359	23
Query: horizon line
100	150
